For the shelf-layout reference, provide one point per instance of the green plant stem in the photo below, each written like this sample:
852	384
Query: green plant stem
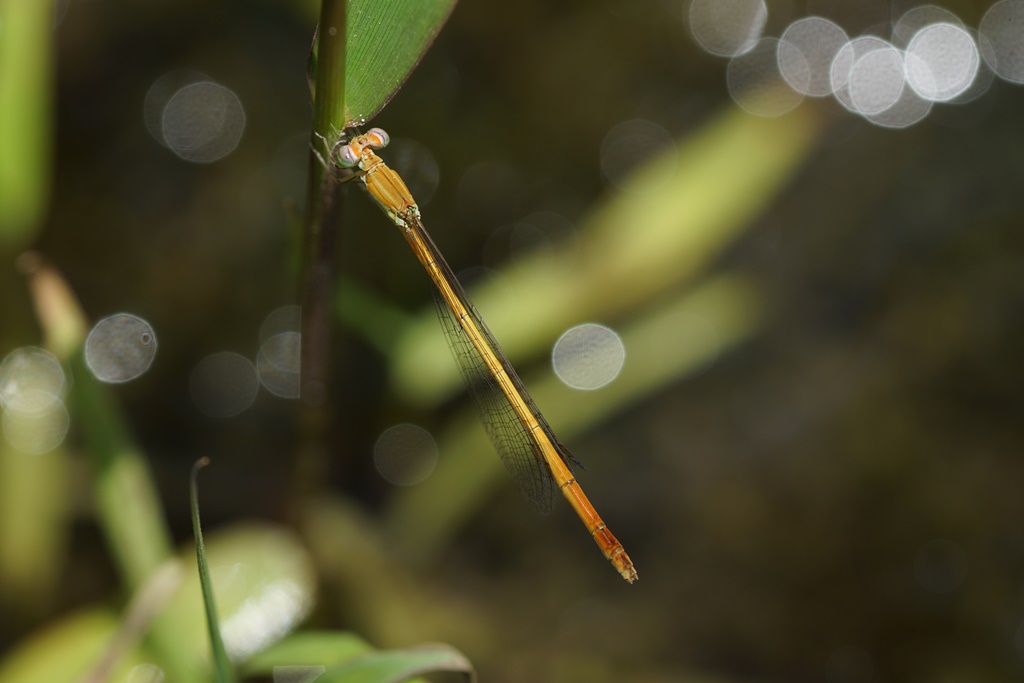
323	206
322	201
329	103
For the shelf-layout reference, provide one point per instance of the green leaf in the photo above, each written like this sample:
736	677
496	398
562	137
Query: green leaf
338	657
264	582
80	640
392	666
310	648
220	655
25	84
385	41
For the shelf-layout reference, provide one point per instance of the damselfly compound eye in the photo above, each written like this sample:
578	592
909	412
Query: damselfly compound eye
348	156
377	138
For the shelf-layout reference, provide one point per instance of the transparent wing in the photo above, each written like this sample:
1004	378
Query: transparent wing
521	457
519	452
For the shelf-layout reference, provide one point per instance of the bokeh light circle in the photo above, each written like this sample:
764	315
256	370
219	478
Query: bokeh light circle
161	90
284	319
727	27
917	18
843	66
588	356
405	454
1002	30
278	364
877	81
40	431
120	348
203	122
32	380
806	50
942	62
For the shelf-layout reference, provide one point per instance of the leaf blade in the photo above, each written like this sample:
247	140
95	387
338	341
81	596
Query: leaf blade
220	656
385	41
309	648
393	666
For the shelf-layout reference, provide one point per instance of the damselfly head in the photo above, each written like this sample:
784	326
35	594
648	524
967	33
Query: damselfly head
376	138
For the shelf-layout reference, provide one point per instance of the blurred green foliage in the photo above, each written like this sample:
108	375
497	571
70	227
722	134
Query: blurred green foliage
26	55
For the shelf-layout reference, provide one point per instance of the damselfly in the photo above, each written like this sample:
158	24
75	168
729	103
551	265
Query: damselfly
533	455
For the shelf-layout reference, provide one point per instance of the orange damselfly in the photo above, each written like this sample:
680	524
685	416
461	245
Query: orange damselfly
533	455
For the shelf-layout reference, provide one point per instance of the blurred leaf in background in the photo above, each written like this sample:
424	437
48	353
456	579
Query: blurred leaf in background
26	86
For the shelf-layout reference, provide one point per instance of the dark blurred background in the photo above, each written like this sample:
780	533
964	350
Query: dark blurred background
836	497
